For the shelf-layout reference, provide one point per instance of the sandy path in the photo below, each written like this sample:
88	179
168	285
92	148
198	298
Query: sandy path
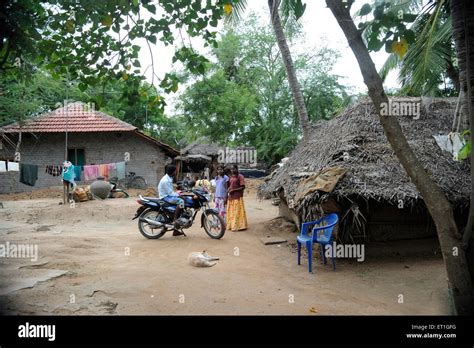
111	268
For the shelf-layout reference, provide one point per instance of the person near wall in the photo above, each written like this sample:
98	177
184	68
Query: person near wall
69	174
220	196
236	216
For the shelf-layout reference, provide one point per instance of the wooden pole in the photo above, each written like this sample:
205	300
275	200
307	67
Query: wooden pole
64	192
65	184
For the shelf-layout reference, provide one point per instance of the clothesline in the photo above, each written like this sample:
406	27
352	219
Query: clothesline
57	164
69	172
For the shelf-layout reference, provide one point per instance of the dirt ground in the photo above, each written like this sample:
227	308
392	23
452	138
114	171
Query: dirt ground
93	260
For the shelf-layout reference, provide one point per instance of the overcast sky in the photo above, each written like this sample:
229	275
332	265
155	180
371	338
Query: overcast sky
319	26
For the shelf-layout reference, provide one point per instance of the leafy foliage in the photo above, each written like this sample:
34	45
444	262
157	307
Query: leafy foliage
389	26
93	42
427	63
247	89
22	97
42	93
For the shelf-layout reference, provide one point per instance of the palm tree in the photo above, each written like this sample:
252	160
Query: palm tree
459	281
294	9
430	59
462	12
441	28
300	105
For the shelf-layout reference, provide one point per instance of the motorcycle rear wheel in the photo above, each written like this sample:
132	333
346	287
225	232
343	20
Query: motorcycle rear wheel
145	228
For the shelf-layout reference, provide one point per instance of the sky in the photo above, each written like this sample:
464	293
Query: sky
320	28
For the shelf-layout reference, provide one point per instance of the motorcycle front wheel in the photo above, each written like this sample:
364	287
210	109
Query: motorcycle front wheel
213	224
147	230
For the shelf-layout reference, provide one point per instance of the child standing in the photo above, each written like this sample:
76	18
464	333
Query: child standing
220	198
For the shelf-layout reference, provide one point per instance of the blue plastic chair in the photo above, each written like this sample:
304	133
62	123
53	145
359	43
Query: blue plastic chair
321	234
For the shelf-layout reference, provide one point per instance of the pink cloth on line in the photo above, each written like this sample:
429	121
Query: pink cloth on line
104	171
91	172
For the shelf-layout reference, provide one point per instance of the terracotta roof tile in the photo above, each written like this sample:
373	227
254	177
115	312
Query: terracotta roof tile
75	117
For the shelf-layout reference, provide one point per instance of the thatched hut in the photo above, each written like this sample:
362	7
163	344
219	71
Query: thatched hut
198	156
374	197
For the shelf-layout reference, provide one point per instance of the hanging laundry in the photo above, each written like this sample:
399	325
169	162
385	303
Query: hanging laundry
104	171
69	174
3	166
112	170
91	172
53	170
120	166
13	166
28	174
77	171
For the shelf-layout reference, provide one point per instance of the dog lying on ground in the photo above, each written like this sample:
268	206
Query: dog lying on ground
202	259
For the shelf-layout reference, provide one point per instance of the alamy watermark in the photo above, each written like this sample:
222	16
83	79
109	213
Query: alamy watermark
24	251
408	107
37	331
351	251
72	106
242	156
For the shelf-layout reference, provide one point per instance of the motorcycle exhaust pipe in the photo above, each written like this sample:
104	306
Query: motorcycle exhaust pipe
152	222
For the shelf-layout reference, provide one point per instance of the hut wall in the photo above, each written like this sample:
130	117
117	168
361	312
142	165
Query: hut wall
387	222
285	212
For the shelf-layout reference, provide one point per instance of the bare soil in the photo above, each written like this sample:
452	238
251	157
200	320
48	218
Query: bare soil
93	260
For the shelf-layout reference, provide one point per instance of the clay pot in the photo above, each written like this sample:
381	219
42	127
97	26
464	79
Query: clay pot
100	188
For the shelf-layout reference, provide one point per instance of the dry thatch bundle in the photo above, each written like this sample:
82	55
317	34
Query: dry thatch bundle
355	141
201	147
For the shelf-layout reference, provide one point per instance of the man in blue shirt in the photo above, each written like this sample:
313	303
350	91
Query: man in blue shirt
166	192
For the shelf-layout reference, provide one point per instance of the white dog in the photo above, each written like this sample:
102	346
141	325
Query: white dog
202	259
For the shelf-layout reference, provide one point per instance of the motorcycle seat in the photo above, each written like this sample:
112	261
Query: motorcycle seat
155	199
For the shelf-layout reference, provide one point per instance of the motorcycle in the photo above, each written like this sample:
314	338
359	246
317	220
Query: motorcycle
155	216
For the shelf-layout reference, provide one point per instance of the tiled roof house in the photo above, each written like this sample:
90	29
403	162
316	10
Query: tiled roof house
93	137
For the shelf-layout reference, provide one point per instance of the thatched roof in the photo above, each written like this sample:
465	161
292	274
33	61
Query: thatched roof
201	147
373	171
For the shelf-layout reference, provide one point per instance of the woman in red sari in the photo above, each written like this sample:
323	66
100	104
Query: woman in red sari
236	216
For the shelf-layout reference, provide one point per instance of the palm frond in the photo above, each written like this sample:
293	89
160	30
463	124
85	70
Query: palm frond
390	64
238	10
426	61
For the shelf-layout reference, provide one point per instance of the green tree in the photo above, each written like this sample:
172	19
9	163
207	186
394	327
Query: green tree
276	130
248	58
459	280
463	32
429	65
218	108
41	93
22	97
292	11
93	42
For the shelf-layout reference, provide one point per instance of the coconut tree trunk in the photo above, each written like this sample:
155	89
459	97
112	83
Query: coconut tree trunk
462	12
453	74
459	281
289	67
